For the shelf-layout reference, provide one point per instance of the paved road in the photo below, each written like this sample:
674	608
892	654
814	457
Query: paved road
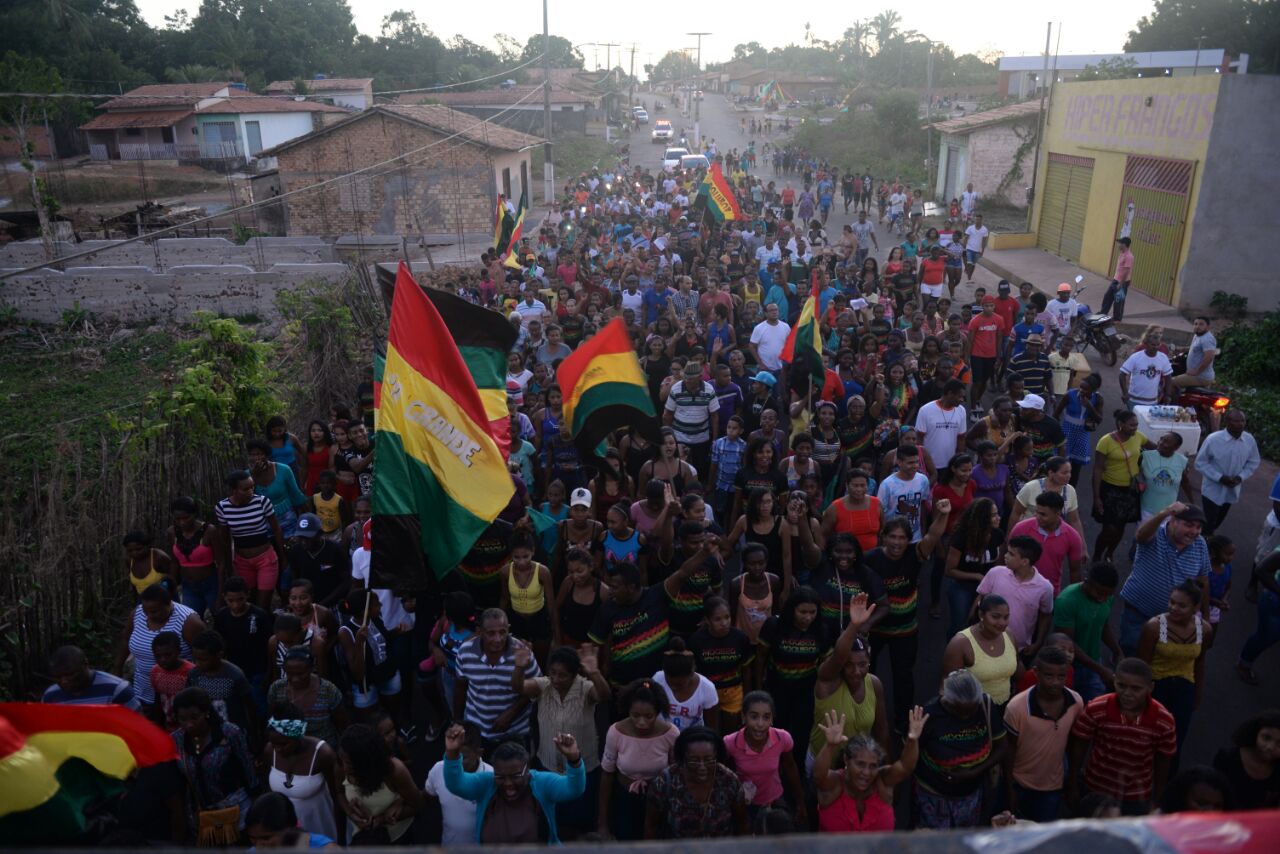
1226	700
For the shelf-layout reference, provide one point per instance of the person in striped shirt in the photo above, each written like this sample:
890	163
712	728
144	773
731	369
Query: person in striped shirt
76	683
1123	742
483	693
689	410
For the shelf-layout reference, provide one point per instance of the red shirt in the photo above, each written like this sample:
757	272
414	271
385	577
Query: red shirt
1007	308
985	333
1124	751
959	500
933	270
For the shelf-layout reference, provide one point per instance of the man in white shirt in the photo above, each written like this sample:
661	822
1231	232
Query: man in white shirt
768	338
1227	458
1060	313
968	203
975	243
769	252
1144	376
1204	349
896	201
905	493
943	424
458	815
531	308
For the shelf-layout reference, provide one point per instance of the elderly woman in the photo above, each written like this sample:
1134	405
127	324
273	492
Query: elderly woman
859	799
512	801
697	796
961	740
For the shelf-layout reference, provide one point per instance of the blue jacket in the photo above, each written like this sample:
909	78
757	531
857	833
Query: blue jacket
548	788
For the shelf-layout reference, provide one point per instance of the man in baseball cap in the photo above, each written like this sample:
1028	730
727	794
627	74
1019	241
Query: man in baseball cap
580	497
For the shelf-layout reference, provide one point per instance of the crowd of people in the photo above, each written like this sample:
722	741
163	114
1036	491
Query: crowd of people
686	638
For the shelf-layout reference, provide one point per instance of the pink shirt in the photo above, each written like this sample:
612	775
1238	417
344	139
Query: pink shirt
1124	265
1027	600
637	758
1063	544
762	770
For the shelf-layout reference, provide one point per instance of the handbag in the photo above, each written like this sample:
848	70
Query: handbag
215	828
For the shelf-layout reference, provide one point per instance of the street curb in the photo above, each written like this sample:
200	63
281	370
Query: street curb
1132	328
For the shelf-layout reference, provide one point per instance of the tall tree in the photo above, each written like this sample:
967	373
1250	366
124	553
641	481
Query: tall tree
563	53
1237	26
20	113
885	27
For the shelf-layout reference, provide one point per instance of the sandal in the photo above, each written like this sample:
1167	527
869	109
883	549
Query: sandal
1246	674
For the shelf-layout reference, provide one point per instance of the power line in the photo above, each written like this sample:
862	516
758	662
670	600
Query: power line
254	205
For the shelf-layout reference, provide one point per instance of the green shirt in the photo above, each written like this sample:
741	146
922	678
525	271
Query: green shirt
1085	617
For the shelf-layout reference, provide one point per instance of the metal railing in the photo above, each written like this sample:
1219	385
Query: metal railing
169	151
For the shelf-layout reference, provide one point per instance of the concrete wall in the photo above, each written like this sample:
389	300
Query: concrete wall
137	294
1228	251
176	251
991	156
446	187
1108	120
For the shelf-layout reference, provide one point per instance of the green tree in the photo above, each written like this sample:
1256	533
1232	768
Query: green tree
885	27
1117	68
753	51
563	53
675	65
195	74
1237	26
18	114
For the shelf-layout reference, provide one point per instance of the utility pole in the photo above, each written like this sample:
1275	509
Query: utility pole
631	95
608	65
1035	166
697	103
548	167
928	113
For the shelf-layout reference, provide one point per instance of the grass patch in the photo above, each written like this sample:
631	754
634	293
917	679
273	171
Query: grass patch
67	386
574	156
92	190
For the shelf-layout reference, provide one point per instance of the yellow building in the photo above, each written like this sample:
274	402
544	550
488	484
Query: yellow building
1175	164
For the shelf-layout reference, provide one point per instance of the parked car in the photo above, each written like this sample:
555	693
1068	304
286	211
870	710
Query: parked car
671	158
662	130
641	116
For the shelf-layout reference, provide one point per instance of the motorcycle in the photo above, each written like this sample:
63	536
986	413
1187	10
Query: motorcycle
1095	330
1208	403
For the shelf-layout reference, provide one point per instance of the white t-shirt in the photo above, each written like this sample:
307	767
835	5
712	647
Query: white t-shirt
769	341
905	498
974	237
393	613
968	201
939	429
537	310
686	713
895	203
633	301
458	814
1144	375
1061	314
764	255
521	379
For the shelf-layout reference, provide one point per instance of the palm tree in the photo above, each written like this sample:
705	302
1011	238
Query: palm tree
885	27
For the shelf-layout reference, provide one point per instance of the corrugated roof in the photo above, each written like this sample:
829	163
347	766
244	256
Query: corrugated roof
436	117
155	95
328	84
135	119
500	97
1008	112
265	104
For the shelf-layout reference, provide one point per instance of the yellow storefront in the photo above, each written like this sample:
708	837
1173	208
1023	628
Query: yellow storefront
1125	158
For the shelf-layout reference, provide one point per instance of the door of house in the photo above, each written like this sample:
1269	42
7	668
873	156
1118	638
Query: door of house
949	181
219	138
1153	214
1065	206
253	131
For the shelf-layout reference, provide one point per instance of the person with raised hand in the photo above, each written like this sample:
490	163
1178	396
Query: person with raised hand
859	799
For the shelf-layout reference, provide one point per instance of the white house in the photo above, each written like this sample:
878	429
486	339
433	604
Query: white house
353	92
198	121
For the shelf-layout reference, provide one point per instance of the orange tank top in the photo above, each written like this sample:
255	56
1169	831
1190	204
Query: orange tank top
863	524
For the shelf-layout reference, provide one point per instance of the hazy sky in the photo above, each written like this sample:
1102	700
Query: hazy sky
1014	27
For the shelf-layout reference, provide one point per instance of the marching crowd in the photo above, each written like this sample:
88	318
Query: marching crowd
719	632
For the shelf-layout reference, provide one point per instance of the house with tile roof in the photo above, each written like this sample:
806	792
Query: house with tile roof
520	106
993	150
199	122
355	93
397	169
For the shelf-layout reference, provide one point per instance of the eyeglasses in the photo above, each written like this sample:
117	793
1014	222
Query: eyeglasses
511	778
703	763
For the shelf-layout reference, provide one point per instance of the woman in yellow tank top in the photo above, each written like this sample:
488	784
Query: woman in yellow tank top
142	561
524	594
1174	644
987	650
846	685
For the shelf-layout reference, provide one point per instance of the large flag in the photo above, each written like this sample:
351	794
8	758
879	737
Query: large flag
513	245
718	196
804	344
441	477
55	761
500	219
505	224
604	389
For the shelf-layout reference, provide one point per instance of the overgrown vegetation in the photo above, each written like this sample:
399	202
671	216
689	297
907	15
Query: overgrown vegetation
575	155
1246	369
888	138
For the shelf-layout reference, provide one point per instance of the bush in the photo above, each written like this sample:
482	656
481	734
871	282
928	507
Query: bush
889	138
1247	372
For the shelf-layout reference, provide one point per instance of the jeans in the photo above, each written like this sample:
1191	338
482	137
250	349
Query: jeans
1038	806
199	595
1267	633
960	596
1215	515
1115	296
1131	622
1088	683
1178	695
902	662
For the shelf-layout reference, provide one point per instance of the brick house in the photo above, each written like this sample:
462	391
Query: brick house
422	169
987	150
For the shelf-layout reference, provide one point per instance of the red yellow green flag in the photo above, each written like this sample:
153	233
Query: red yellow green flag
804	344
441	478
604	389
718	195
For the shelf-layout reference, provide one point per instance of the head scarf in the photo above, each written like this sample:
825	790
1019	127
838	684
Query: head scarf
289	728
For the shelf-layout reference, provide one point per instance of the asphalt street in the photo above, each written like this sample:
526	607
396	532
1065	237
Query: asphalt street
1226	701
